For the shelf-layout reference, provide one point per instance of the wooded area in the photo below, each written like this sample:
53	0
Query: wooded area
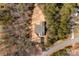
58	19
17	20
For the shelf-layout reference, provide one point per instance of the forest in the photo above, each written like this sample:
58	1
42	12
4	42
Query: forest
58	20
17	20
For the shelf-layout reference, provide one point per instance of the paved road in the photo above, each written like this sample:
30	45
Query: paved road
60	46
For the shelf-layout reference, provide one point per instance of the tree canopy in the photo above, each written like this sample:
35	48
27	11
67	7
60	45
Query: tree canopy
58	18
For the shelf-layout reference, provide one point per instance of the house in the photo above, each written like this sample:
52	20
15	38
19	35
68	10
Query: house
40	29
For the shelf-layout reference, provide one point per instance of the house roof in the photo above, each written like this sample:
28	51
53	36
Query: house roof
40	29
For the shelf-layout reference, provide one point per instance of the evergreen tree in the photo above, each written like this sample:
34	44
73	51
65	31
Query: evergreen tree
65	12
58	18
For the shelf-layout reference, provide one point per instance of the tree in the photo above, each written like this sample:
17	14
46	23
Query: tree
17	30
65	12
5	16
50	13
57	19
